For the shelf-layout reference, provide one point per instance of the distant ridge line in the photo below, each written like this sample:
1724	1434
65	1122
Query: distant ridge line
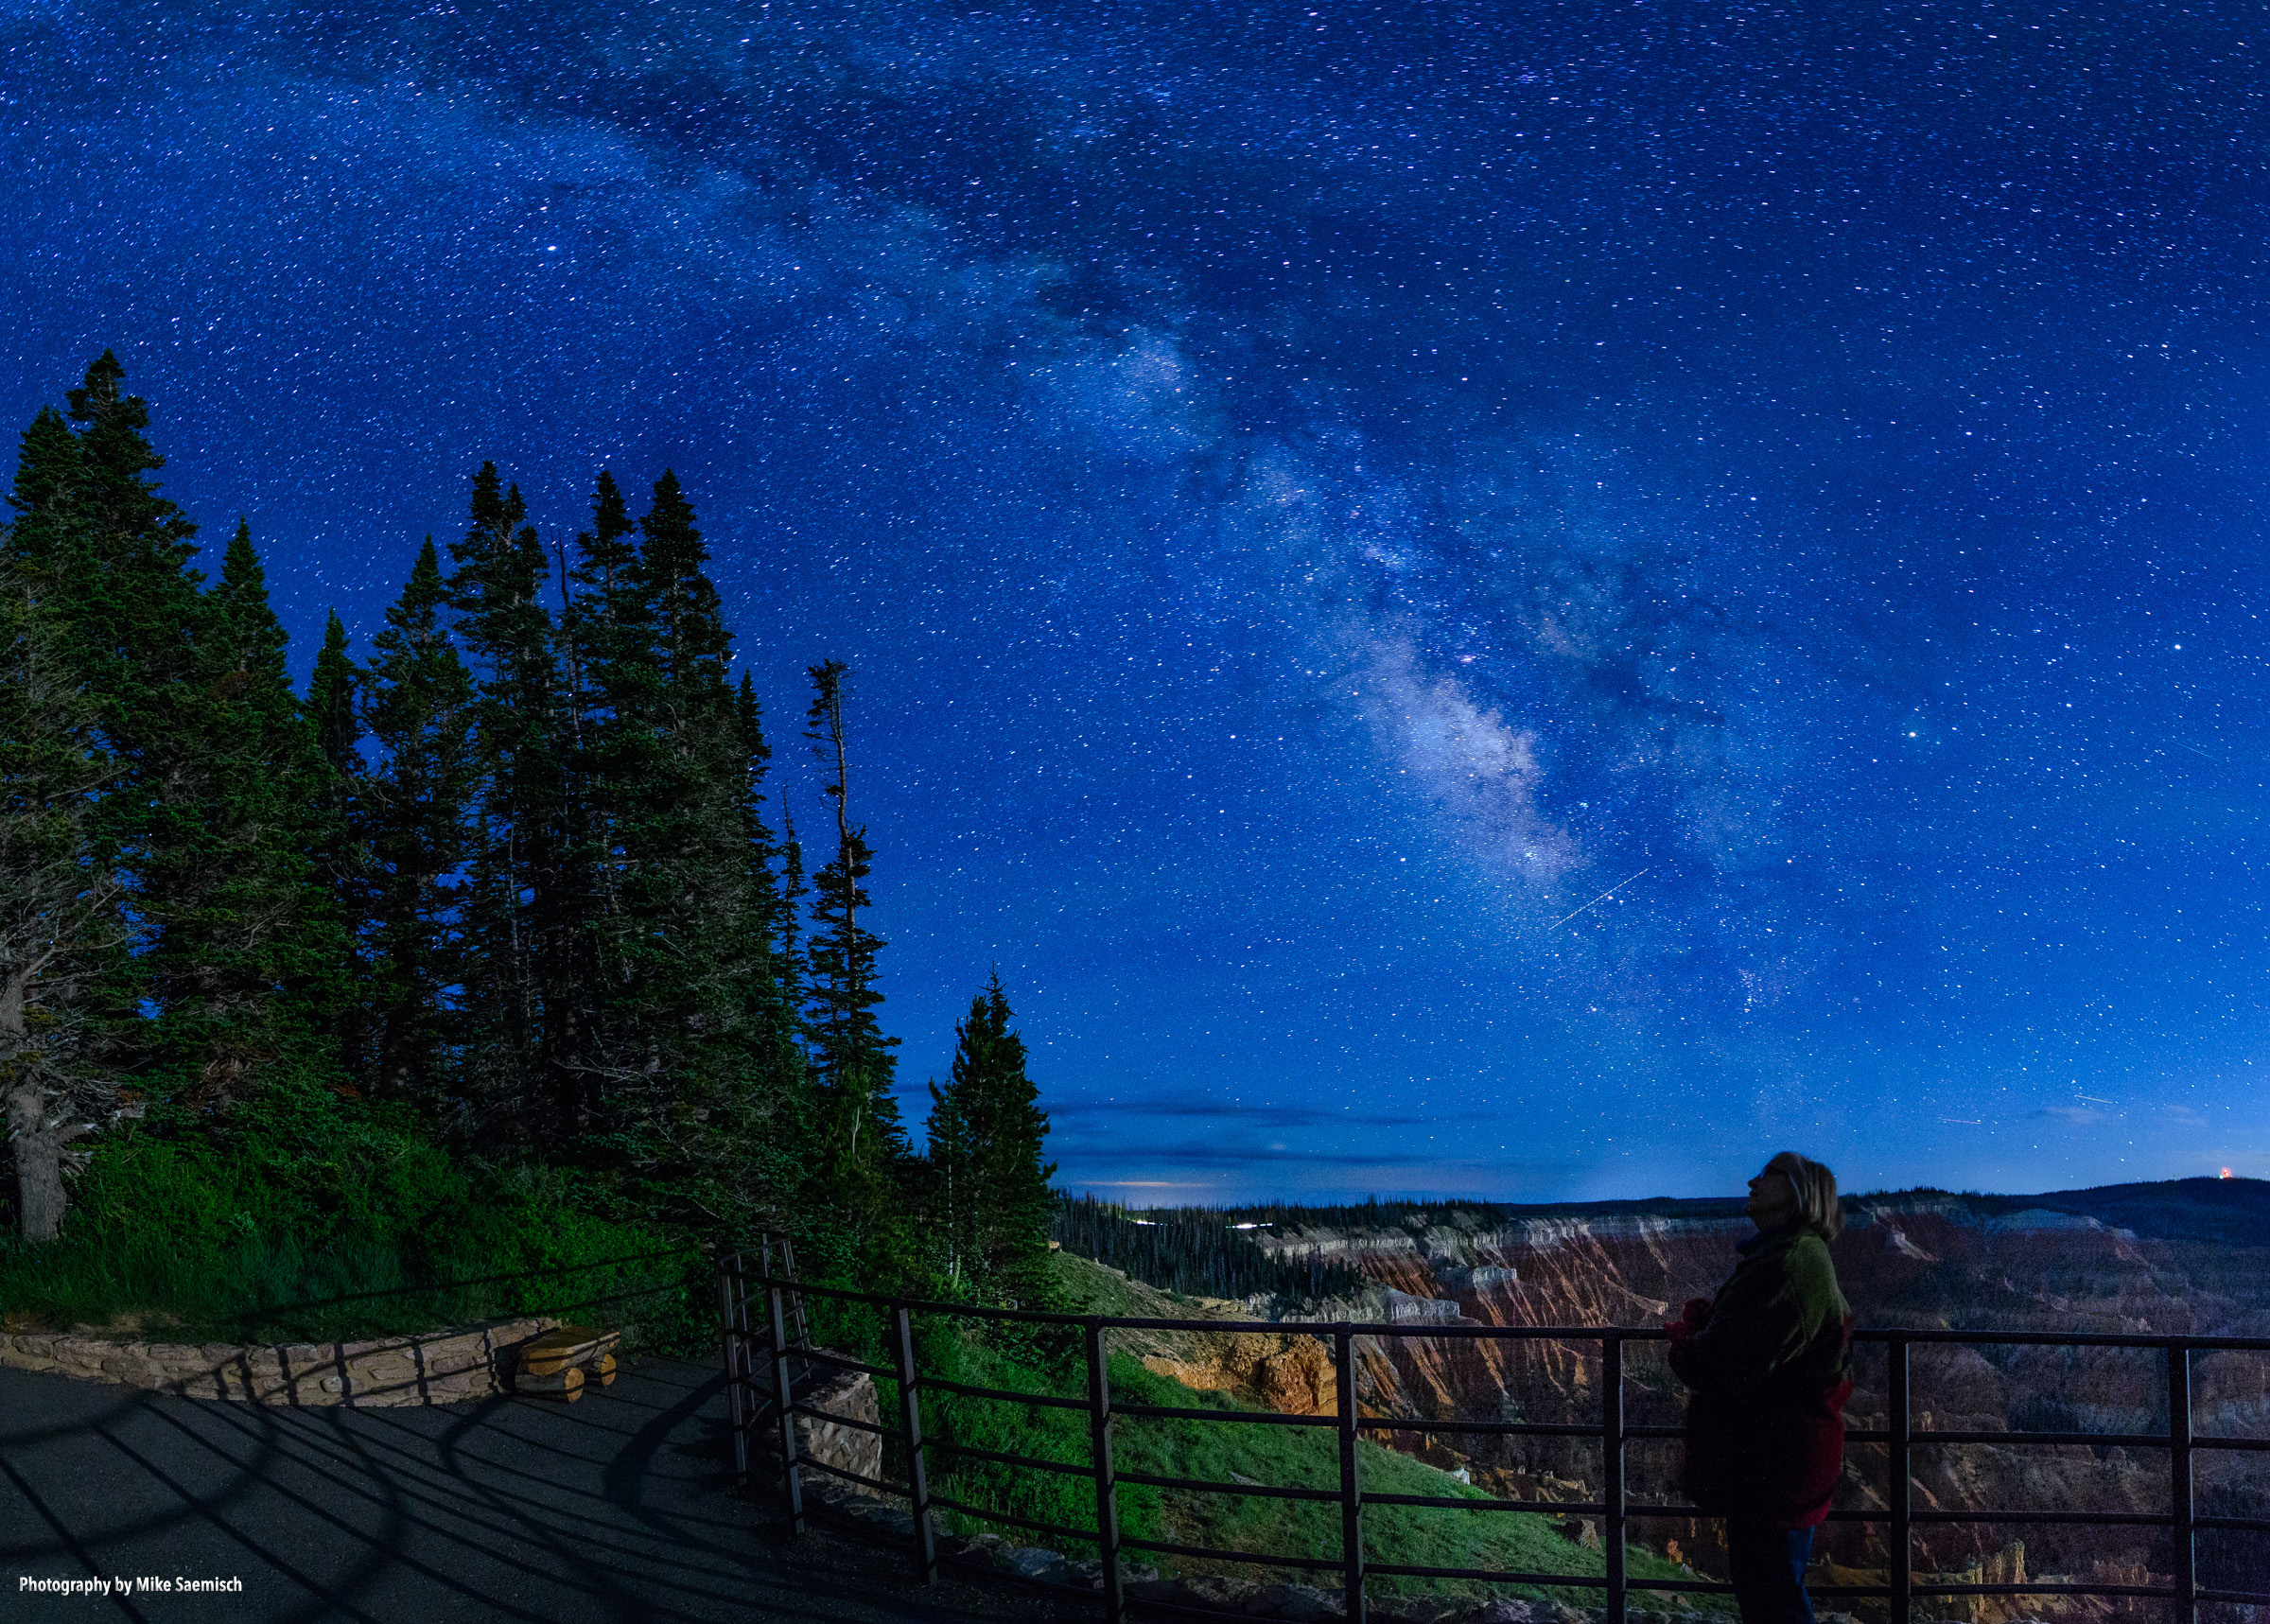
2230	1212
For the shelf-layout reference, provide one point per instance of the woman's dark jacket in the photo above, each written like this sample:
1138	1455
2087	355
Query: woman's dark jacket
1770	1371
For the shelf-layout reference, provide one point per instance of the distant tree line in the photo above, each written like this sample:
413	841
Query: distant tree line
1194	1251
1374	1213
517	870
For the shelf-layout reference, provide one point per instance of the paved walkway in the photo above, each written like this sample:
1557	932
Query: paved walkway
621	1506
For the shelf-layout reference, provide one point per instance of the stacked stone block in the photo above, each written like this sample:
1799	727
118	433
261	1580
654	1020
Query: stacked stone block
444	1367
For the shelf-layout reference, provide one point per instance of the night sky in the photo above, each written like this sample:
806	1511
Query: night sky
1314	498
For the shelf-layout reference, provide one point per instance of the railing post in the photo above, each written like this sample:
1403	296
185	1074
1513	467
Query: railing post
1107	1493
918	1476
2179	1474
784	1399
747	1335
1351	1501
729	1322
788	1267
1612	1469
1895	1497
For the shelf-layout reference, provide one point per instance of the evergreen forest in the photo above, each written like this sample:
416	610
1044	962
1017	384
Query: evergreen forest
490	950
1198	1251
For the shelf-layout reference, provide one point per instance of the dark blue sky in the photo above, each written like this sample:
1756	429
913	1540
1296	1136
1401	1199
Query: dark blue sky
1314	496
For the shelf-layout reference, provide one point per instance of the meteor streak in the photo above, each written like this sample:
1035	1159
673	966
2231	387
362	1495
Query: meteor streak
1596	900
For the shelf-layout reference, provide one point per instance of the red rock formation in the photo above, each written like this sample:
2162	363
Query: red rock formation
1930	1261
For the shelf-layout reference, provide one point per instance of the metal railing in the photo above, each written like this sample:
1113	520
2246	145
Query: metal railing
789	1359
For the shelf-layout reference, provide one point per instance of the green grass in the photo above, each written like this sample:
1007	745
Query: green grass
1010	1358
1308	1457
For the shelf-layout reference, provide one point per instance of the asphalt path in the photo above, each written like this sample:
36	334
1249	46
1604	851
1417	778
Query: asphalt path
623	1506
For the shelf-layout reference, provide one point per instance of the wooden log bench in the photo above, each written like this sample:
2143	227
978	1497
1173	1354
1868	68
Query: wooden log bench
562	1362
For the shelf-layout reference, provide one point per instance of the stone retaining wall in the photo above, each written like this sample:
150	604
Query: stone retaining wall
839	1392
847	1393
444	1367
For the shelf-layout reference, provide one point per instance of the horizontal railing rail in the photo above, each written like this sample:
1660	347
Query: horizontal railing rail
790	1360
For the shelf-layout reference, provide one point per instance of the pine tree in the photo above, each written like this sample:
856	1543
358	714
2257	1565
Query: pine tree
111	558
253	963
851	1057
746	1073
953	1179
331	708
234	950
697	1066
419	708
45	532
342	853
789	960
603	639
622	761
985	1138
515	928
776	901
684	758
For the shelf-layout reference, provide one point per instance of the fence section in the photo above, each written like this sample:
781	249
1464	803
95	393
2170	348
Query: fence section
769	1366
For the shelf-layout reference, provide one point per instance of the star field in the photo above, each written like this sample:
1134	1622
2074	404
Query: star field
1526	602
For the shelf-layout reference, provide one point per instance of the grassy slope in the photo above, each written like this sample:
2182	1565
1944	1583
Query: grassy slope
1224	1451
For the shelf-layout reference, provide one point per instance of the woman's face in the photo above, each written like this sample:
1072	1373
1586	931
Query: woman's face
1772	1200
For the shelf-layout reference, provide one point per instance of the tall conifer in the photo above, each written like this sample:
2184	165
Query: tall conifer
515	928
601	639
791	967
114	556
851	1057
331	707
342	856
695	1071
214	953
419	706
237	949
46	531
776	901
255	962
986	1131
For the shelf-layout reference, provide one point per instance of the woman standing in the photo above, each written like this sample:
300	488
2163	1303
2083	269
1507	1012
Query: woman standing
1767	1362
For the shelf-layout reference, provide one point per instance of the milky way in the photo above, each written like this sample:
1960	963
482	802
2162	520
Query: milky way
1311	497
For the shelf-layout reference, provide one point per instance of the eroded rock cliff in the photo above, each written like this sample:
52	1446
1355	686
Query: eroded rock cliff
1914	1261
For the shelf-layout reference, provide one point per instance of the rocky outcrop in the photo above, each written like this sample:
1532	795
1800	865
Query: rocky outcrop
1287	1371
1292	1373
444	1367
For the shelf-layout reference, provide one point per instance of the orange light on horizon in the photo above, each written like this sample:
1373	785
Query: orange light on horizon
2226	1171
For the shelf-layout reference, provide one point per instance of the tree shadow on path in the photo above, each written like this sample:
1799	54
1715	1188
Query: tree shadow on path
622	1507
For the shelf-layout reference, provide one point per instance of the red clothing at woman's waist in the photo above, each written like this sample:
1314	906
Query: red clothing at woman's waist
1774	1457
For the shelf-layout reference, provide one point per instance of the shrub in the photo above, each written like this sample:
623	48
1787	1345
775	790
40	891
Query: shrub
304	1216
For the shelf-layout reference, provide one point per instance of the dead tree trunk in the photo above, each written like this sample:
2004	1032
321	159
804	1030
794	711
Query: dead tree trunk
37	1130
38	1147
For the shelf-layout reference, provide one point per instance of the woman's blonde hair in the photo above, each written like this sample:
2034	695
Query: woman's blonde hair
1818	1209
